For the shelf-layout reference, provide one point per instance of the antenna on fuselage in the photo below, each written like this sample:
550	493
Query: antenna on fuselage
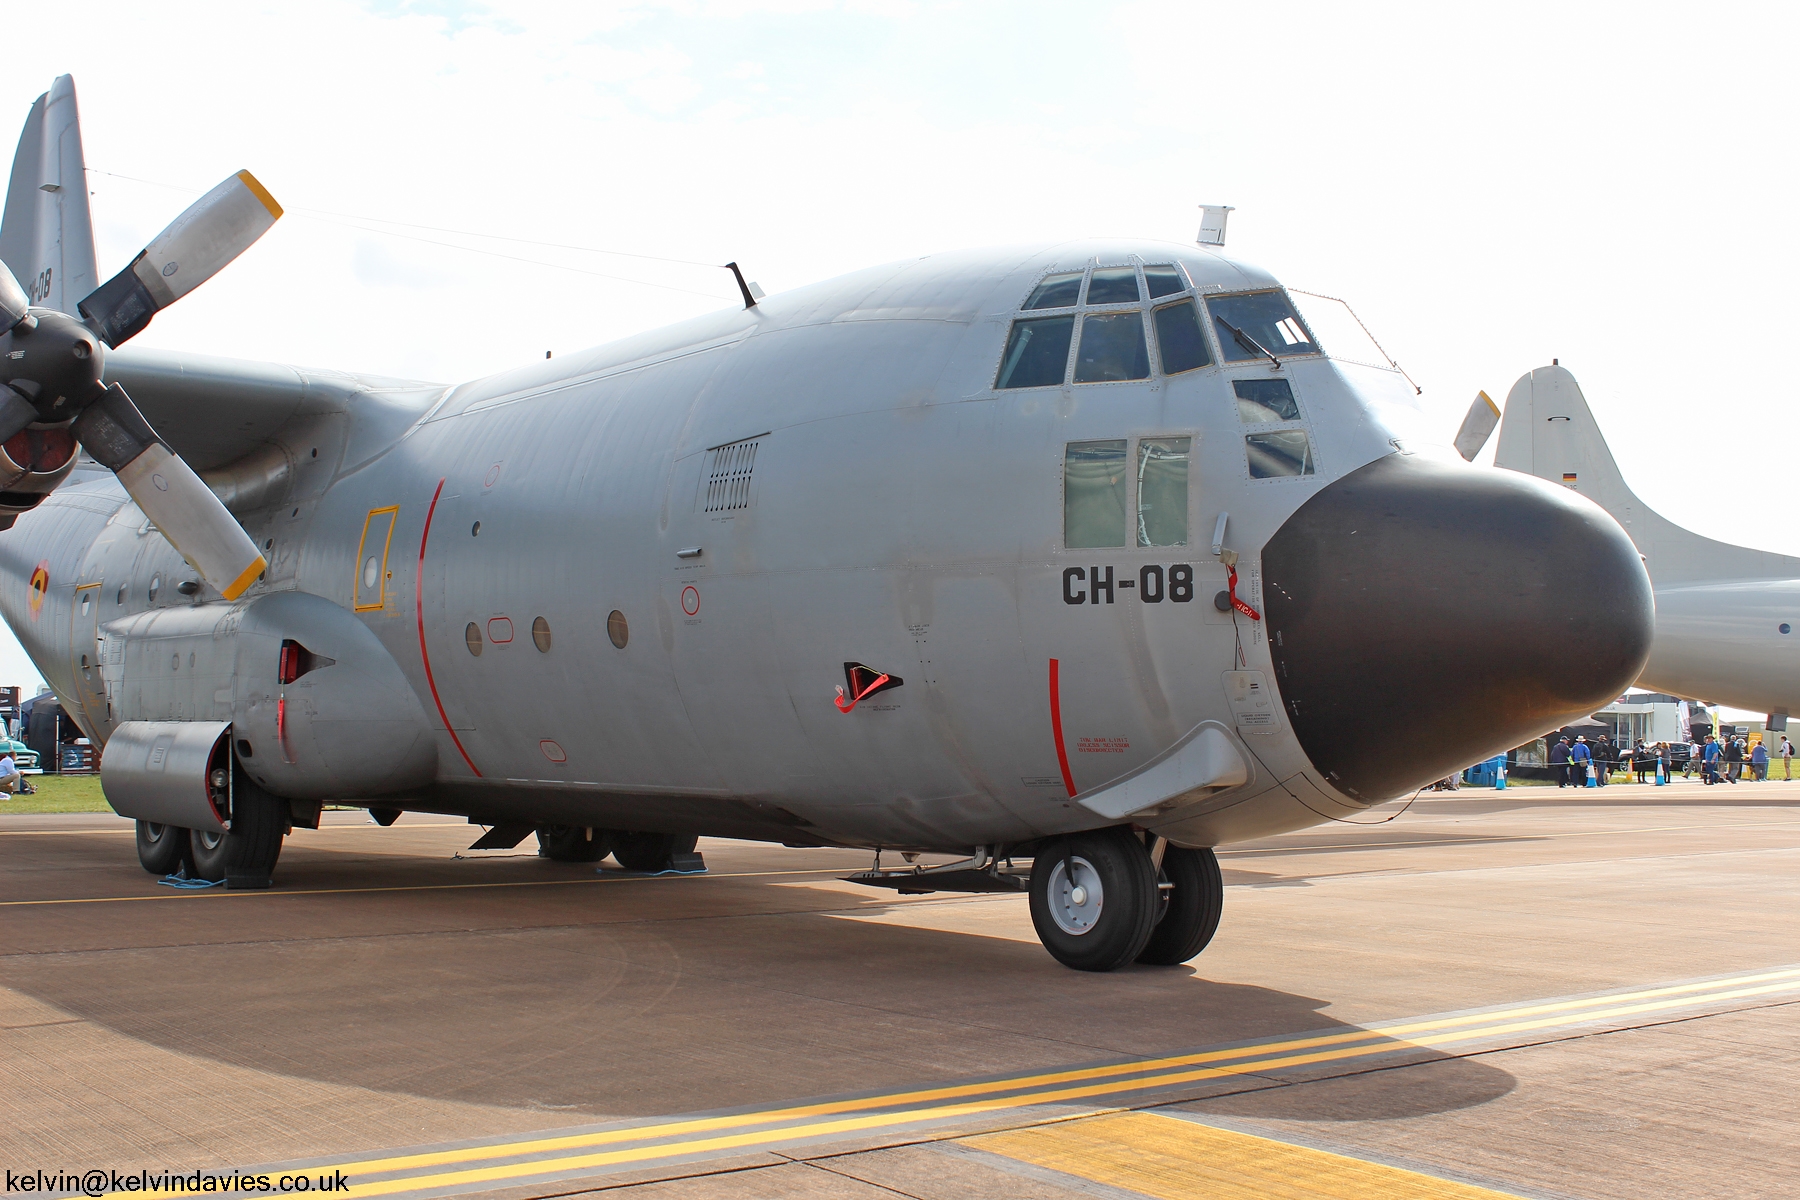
1212	224
751	292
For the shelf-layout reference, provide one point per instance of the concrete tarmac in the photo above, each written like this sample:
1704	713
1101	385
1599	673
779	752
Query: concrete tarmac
1536	992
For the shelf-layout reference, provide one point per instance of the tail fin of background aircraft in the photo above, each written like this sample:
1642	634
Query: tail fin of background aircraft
1549	431
47	236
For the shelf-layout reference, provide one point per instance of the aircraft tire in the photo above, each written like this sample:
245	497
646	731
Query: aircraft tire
245	856
572	843
649	851
1190	914
161	848
1105	919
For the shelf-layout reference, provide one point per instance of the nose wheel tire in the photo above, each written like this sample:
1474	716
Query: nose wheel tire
649	851
1190	908
572	843
245	856
1094	899
161	848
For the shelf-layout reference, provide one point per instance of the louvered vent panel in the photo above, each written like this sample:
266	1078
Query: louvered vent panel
728	472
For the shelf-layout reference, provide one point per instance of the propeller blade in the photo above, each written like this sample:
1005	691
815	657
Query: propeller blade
214	230
1477	426
171	495
13	302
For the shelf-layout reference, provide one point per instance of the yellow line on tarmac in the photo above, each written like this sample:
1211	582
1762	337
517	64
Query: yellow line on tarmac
202	894
1173	1159
954	1100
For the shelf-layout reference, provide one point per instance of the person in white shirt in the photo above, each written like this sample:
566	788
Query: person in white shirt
10	779
1787	758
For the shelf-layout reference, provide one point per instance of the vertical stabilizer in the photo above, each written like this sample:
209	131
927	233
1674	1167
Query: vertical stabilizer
1549	431
47	237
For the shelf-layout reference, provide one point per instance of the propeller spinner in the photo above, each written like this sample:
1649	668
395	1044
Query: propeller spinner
52	365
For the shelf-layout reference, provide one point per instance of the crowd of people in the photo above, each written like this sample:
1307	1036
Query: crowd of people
1576	761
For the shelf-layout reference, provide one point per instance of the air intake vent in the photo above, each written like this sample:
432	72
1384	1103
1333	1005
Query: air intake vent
728	471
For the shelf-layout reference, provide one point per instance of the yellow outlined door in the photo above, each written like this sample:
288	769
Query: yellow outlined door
372	558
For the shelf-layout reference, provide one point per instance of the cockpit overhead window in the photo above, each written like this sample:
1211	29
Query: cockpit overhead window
1164	280
1037	352
1113	285
1179	339
1259	325
1112	348
1056	291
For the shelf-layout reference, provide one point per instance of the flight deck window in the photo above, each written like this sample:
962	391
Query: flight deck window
1179	338
1037	353
1113	285
1162	479
1164	280
1258	325
1056	291
1265	401
1279	453
1094	488
1112	348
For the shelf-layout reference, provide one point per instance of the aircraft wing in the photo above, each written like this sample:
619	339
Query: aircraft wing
214	411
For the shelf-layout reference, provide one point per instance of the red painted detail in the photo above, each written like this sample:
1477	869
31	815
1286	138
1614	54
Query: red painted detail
690	600
41	450
1062	754
552	751
289	666
500	630
424	655
493	476
844	708
281	729
1231	583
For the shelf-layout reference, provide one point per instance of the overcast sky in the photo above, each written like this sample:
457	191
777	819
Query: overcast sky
1490	188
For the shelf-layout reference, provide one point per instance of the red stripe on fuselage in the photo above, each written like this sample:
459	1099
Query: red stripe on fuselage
425	657
1062	755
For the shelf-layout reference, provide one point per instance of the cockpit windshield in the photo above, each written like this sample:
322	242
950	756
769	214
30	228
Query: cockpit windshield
1258	325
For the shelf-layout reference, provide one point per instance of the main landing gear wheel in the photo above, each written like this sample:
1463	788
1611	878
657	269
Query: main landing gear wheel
245	856
1190	908
161	848
649	851
1094	899
572	843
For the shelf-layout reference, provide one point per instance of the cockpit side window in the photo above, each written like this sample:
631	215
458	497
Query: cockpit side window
1259	325
1112	348
1164	280
1056	291
1279	452
1037	352
1265	401
1162	491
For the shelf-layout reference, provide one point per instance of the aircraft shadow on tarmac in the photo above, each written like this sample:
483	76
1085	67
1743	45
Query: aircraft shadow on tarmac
659	997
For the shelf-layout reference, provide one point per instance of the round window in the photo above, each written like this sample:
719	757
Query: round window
471	635
616	629
371	573
540	633
156	586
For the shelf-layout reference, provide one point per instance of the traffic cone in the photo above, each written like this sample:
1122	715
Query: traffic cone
1593	777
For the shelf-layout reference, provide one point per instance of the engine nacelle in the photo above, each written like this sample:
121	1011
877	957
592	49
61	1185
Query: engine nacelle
318	708
32	463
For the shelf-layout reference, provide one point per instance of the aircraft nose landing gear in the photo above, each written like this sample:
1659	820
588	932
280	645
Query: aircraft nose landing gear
1099	901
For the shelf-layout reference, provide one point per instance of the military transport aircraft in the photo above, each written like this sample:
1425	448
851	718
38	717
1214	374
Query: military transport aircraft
1726	616
1078	560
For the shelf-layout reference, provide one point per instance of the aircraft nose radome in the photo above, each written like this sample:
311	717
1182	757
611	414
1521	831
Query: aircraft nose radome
1424	615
